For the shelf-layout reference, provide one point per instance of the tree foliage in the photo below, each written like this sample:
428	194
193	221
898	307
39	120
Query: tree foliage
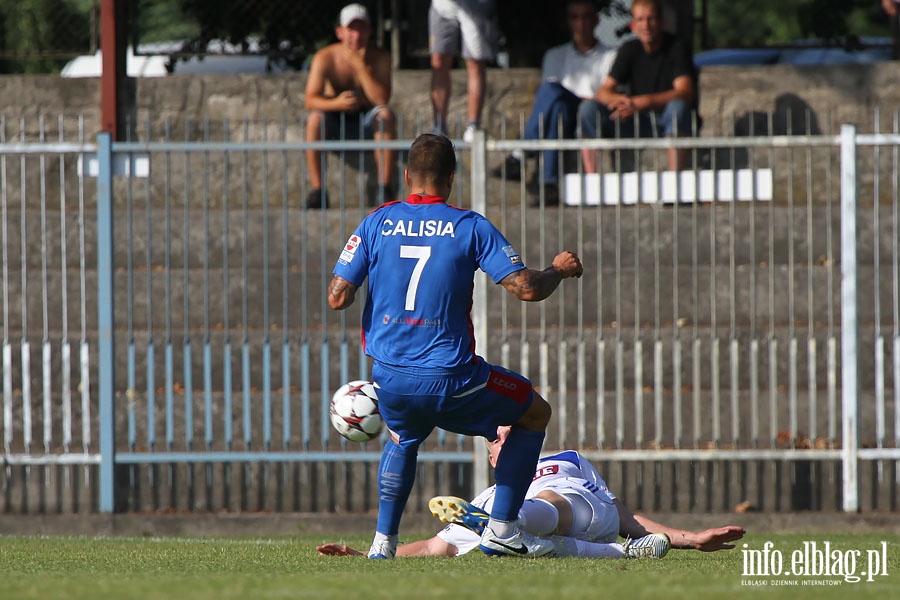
37	35
292	29
779	22
40	35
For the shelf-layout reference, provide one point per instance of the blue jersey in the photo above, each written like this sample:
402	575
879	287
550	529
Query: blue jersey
420	257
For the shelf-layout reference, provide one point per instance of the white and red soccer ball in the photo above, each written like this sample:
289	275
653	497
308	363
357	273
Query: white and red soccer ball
354	411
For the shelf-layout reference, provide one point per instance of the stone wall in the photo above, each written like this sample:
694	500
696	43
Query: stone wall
730	98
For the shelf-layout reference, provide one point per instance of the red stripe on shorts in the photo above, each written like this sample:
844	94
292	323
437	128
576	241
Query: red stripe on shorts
505	384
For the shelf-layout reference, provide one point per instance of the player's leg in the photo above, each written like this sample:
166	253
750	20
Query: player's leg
518	458
407	414
487	398
396	475
513	474
541	516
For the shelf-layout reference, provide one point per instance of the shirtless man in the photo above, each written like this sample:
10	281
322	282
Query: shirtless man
347	92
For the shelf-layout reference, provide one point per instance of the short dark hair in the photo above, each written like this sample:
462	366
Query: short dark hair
432	157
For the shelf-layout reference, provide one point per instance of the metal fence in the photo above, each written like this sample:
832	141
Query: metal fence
166	343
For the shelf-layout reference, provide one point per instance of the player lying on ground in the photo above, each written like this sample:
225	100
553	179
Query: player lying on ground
569	501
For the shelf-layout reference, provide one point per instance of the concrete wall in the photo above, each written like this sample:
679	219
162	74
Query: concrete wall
730	97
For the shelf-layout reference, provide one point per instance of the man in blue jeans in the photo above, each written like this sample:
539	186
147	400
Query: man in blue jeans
657	70
571	74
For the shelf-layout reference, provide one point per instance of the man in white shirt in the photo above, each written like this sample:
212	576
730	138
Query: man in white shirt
571	74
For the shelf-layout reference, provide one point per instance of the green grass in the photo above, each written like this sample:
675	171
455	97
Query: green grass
288	567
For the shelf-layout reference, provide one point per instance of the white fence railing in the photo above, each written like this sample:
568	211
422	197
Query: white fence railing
175	291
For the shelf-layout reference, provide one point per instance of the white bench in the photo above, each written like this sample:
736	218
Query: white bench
668	187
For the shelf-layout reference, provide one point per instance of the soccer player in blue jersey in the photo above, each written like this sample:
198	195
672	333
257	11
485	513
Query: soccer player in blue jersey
420	258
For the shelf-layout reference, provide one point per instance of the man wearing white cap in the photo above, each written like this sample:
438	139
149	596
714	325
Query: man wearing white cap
347	92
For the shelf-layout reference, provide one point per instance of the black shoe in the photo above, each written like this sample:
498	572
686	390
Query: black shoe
384	193
551	196
511	169
317	198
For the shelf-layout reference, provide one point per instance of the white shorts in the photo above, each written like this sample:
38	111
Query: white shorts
475	21
604	523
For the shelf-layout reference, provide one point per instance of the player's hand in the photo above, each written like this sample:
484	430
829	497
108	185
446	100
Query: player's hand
568	264
718	538
337	550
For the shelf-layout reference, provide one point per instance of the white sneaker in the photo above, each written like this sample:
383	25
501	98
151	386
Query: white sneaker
655	545
518	544
469	134
382	550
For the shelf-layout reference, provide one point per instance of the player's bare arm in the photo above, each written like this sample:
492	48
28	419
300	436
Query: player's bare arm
338	550
529	285
341	293
709	540
433	546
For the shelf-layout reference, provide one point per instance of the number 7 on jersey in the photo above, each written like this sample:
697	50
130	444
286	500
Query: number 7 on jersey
421	254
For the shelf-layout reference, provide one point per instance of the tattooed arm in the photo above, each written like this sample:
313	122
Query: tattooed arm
341	293
533	286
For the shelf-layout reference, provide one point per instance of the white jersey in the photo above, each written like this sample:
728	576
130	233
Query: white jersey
581	73
566	473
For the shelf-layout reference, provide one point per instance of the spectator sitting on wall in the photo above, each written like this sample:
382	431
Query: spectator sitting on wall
571	74
347	92
658	71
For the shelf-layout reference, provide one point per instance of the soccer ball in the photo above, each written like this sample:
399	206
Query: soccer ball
354	411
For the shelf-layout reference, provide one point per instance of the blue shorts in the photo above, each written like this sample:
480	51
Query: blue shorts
472	400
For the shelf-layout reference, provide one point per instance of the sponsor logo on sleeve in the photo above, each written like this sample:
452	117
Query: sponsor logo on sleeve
513	256
349	250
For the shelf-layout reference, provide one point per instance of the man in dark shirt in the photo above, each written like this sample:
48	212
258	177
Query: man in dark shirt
657	70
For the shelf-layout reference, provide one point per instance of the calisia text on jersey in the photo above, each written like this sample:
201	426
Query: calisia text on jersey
410	228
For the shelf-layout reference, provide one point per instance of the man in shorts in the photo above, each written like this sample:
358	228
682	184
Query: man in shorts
347	92
420	257
474	22
569	502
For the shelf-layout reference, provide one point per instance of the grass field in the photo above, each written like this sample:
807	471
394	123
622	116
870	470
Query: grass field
51	568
